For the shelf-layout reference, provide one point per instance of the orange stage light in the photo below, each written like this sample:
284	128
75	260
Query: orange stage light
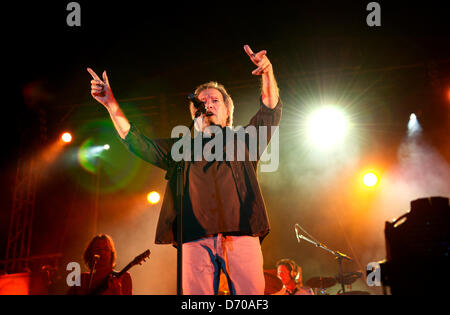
153	197
370	179
66	137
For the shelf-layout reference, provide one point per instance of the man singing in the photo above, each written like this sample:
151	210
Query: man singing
224	216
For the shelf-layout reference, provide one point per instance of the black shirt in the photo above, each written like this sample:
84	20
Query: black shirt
211	201
252	212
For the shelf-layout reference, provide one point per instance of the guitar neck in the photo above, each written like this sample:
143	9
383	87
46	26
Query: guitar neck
122	272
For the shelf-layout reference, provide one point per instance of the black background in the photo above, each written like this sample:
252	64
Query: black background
155	50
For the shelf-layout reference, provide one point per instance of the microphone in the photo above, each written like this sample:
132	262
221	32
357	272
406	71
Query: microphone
96	258
296	232
199	105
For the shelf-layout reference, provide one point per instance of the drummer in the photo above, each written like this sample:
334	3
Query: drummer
290	275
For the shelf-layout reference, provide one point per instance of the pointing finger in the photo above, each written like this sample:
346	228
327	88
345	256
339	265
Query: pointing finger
93	74
249	51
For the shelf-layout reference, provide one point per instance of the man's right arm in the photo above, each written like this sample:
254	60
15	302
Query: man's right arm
102	93
152	151
119	120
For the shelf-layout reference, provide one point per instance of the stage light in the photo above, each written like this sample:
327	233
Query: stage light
153	197
88	154
327	127
370	179
413	125
66	137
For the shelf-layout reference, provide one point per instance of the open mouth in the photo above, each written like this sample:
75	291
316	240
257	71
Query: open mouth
208	114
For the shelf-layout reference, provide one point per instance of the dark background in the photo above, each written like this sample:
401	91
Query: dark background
156	54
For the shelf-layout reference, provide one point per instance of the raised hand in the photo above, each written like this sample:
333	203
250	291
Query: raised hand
101	90
260	59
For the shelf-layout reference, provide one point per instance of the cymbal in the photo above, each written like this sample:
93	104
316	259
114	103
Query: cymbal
349	277
273	284
321	282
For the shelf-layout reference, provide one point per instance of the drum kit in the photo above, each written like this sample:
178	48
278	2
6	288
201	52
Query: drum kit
318	284
321	284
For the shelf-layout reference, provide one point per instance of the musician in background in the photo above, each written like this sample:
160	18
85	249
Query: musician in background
100	257
290	275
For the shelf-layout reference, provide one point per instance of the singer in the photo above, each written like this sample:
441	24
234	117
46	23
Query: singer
100	257
224	216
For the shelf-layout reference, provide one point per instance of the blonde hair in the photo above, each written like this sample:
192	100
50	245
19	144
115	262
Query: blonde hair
226	98
88	254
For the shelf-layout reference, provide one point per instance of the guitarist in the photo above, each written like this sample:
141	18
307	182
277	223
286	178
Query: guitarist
100	257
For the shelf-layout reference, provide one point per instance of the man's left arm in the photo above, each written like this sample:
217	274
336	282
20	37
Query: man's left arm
267	118
270	92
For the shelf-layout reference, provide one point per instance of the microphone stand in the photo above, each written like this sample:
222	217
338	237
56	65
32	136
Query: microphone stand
179	168
339	256
91	275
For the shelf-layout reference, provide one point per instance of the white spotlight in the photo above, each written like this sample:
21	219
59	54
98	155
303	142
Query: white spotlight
413	125
96	150
327	127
